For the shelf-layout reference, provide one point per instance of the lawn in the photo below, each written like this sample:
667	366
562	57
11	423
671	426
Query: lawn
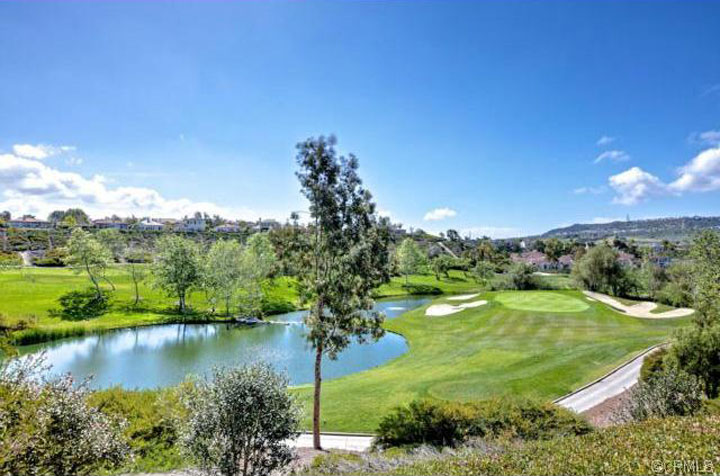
31	294
539	344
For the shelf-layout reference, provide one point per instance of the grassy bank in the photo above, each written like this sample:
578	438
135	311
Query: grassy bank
30	295
665	446
504	347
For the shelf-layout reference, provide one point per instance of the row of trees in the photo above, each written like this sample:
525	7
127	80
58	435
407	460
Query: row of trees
231	274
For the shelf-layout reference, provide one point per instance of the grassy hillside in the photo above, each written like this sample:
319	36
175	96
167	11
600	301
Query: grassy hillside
540	344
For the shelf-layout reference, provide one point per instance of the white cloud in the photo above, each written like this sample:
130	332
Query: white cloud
40	151
605	140
491	231
711	137
73	161
29	186
635	185
613	156
701	174
439	214
590	190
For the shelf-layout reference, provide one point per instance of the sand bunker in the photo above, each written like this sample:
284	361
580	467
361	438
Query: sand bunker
447	309
641	309
463	297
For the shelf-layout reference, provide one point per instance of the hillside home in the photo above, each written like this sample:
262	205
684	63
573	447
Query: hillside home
263	226
149	225
116	225
28	221
192	225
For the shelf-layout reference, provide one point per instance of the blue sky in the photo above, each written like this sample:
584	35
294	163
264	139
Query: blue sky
486	117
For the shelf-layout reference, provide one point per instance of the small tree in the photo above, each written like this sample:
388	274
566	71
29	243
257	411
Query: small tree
257	264
599	270
222	270
177	267
483	273
410	258
240	421
441	265
88	255
520	276
135	265
344	256
696	351
553	249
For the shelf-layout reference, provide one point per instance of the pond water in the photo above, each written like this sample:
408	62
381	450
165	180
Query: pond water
162	355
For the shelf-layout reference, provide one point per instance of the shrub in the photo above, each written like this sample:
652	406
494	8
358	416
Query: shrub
9	258
696	351
48	427
520	277
667	393
447	424
52	258
238	423
653	364
77	305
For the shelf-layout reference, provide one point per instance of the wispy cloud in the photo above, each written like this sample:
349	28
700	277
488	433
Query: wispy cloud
701	174
439	214
612	156
711	137
604	140
40	151
590	190
29	185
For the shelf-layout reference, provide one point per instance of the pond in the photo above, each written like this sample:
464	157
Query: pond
163	355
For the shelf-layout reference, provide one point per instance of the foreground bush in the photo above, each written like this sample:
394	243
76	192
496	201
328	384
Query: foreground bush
448	424
665	393
678	445
239	421
47	426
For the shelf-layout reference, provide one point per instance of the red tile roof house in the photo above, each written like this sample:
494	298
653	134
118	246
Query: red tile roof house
534	258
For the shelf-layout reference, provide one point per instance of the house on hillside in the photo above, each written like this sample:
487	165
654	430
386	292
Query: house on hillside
149	225
28	221
228	228
191	225
117	225
565	262
263	226
534	258
626	259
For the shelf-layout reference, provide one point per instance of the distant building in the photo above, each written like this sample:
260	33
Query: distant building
565	262
28	221
192	225
228	228
262	226
117	225
534	258
626	259
150	225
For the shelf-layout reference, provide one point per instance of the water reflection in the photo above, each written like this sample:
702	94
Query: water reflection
149	357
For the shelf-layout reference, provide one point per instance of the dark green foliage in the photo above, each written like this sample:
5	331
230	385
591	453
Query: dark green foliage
678	291
669	392
448	424
85	304
53	258
696	351
10	259
653	364
520	277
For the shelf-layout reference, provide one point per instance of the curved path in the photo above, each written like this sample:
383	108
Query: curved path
335	441
642	309
608	386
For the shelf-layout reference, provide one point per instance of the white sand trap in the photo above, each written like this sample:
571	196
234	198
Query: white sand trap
447	309
541	273
641	309
463	297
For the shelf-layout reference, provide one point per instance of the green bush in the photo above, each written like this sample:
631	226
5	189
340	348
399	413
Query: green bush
653	364
10	259
77	305
53	258
670	392
447	424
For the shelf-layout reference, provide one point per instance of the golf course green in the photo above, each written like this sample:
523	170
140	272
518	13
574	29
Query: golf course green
517	344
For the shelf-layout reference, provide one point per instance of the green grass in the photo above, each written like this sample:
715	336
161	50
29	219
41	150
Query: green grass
30	294
542	301
488	351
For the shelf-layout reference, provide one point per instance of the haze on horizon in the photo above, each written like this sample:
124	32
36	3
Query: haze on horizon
498	118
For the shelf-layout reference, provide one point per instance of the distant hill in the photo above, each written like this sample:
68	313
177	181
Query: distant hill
676	229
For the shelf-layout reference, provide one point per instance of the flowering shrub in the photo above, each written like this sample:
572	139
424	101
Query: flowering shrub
48	428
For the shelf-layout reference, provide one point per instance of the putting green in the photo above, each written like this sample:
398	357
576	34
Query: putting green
541	301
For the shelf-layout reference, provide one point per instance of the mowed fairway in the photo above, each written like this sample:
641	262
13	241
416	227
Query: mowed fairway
539	344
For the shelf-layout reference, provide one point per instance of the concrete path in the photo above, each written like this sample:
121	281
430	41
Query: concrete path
612	384
335	441
642	309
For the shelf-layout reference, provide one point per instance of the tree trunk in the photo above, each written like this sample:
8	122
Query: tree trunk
137	290
316	400
182	302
